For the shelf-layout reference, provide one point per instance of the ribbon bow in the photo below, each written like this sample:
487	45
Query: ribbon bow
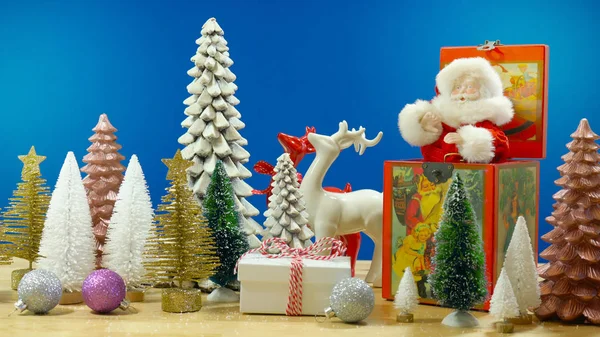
314	252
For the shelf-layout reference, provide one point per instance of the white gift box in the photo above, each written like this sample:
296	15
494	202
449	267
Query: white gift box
264	283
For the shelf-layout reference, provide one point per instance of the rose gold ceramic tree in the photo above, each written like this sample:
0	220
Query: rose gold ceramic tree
104	176
571	283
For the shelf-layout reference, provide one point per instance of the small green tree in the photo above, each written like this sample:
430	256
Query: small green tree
222	216
458	277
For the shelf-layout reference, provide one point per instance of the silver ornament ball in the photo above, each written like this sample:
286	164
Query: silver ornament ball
39	291
352	300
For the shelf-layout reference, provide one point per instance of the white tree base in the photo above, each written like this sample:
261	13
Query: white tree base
223	295
460	319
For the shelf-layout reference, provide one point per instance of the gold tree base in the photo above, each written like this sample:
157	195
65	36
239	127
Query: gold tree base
16	276
521	320
71	298
134	296
405	318
181	300
503	327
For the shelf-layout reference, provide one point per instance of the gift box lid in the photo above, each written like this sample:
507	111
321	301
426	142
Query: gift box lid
524	73
257	267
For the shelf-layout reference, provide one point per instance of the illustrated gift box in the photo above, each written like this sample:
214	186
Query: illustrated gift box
414	190
264	283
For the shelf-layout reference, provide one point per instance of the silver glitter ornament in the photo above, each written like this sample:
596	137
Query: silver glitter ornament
352	300
39	292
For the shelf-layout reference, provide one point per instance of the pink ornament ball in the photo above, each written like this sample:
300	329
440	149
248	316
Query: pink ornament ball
103	290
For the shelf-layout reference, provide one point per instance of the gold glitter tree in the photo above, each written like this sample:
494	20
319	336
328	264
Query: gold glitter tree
25	216
180	247
104	177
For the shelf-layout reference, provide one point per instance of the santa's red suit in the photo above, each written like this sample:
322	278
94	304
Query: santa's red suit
477	122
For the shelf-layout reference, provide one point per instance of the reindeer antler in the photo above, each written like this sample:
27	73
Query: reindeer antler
345	138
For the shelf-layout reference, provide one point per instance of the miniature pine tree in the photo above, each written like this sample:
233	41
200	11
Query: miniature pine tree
67	246
286	216
24	219
458	267
213	125
220	212
104	176
521	270
407	296
180	247
503	304
131	223
572	275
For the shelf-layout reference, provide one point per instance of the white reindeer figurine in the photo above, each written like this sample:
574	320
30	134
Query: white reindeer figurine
333	214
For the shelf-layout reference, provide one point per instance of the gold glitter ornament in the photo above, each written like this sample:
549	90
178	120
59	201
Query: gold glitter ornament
25	216
180	247
179	300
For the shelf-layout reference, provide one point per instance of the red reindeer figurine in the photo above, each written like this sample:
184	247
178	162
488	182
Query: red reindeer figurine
298	147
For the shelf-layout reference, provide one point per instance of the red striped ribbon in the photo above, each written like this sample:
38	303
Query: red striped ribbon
294	304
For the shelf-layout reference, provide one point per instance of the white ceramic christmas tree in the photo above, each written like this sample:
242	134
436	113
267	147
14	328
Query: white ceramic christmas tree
407	297
68	245
522	272
286	216
503	304
213	123
131	223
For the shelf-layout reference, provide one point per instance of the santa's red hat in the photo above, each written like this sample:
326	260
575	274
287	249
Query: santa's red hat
476	67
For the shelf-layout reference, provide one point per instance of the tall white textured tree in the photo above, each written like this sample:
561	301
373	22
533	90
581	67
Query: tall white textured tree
286	216
68	245
213	125
407	296
521	269
130	227
503	304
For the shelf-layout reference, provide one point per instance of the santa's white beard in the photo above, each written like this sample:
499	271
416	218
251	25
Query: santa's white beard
463	98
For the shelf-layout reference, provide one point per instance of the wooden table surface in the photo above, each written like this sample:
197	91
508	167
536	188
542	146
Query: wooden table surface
225	320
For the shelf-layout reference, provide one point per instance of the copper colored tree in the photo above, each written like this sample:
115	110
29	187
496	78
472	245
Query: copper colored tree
104	177
571	283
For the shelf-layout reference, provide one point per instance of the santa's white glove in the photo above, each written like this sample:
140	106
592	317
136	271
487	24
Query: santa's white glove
430	122
453	138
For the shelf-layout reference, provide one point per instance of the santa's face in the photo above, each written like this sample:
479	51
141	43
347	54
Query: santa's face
466	89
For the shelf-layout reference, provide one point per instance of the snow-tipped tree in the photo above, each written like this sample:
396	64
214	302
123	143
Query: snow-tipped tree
286	216
503	304
521	269
68	245
131	223
407	295
213	125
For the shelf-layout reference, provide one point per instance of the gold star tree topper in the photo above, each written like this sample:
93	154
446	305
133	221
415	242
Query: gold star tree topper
177	166
31	162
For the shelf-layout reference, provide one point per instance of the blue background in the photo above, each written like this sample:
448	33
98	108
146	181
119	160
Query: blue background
298	63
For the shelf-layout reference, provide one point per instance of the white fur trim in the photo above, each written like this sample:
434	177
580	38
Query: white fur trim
498	110
477	67
478	144
409	123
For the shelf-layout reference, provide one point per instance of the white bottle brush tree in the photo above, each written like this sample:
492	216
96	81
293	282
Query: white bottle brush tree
68	245
407	296
521	269
213	125
503	304
286	216
131	223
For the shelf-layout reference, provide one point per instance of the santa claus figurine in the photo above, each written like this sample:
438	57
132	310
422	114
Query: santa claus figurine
462	123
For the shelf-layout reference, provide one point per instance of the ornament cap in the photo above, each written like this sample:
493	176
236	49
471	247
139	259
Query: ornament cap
329	313
20	305
124	305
